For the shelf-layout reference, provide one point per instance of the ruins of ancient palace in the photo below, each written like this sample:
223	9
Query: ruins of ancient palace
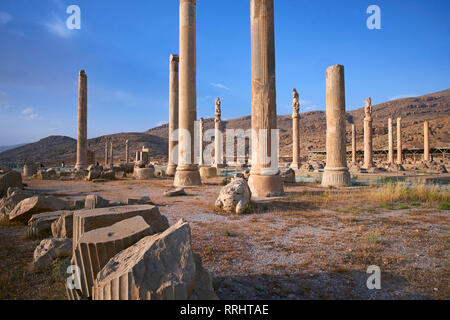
265	179
353	144
295	131
173	114
426	142
336	171
82	122
187	173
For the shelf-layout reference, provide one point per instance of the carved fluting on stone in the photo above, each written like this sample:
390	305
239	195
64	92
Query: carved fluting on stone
368	144
265	179
295	131
426	142
399	141
82	144
39	226
87	220
336	171
159	267
173	115
94	248
201	127
390	142
187	173
353	144
63	227
218	137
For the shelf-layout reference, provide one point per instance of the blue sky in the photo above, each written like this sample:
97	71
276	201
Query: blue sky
124	46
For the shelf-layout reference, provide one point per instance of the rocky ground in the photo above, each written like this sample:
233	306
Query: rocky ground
315	243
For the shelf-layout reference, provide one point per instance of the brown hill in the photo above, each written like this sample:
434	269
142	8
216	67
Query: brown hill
433	107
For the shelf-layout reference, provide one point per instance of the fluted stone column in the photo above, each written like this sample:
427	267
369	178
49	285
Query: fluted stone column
353	144
390	142
336	171
127	157
295	131
218	137
265	179
82	122
106	154
368	152
187	173
399	141
200	141
173	114
426	142
111	155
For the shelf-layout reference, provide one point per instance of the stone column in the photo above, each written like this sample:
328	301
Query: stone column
187	173
200	141
426	142
106	154
127	157
295	132
82	122
111	155
218	137
173	114
265	179
399	141
353	144
368	153
390	142
336	171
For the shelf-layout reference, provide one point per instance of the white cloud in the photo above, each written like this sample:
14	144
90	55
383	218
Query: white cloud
5	18
57	27
220	86
29	114
402	96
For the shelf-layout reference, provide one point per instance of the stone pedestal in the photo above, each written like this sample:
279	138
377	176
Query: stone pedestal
207	172
173	115
426	142
82	144
399	141
265	179
336	171
187	173
368	152
390	142
353	144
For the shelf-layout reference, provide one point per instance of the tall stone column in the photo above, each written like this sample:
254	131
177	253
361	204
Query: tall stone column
265	179
127	150
353	144
200	141
218	137
82	122
390	142
295	131
187	173
336	171
106	154
399	141
426	142
173	114
111	155
368	152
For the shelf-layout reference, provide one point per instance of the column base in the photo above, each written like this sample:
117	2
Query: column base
266	186
187	177
220	165
337	177
171	170
208	172
295	166
80	166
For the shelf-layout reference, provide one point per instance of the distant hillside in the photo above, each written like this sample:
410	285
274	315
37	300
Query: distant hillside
4	148
433	107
